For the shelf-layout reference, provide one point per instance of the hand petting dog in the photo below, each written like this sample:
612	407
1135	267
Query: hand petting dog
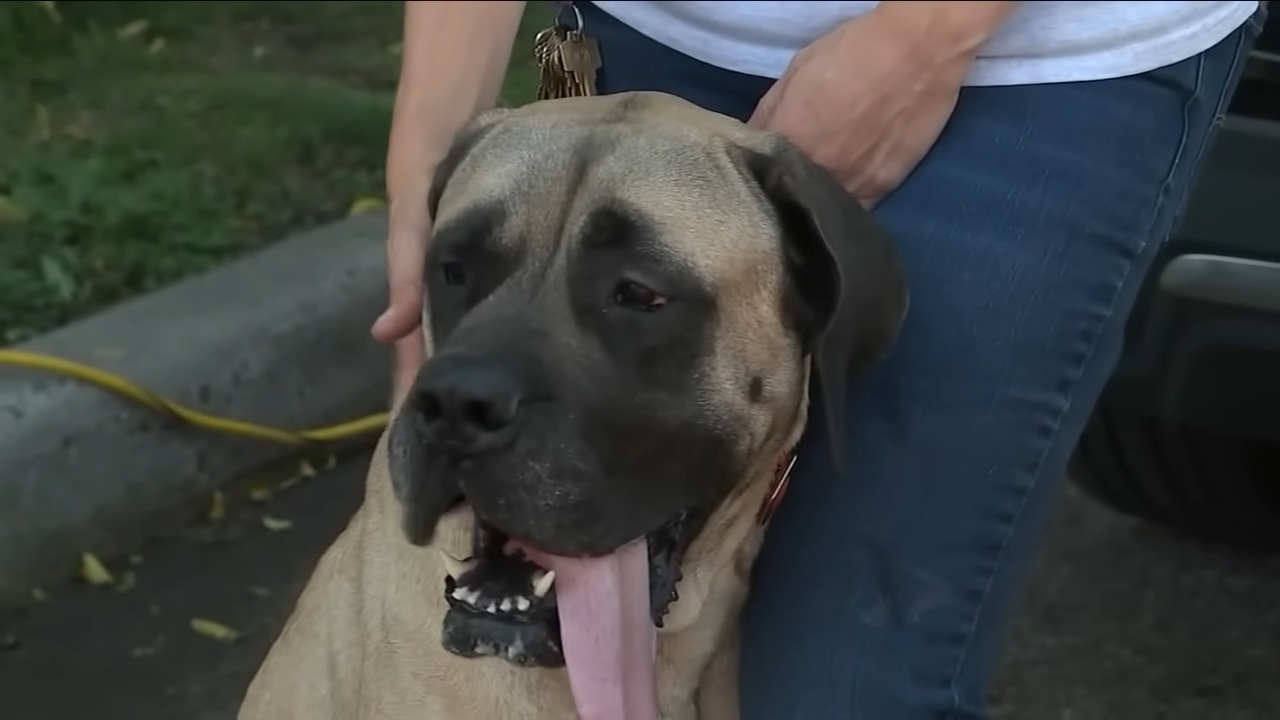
869	99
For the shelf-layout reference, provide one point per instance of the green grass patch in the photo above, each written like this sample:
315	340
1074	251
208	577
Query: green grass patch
144	141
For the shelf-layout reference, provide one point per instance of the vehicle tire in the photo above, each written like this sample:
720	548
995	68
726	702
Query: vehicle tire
1208	487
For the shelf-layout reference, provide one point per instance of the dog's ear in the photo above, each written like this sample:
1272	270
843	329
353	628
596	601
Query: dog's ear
463	143
847	292
422	499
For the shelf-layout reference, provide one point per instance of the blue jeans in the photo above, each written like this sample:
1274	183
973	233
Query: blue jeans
882	593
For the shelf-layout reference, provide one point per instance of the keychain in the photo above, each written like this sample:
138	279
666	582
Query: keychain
567	58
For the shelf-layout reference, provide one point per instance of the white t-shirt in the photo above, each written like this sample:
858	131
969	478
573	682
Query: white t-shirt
1043	41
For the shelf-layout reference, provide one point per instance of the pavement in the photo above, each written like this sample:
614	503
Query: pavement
1120	622
279	336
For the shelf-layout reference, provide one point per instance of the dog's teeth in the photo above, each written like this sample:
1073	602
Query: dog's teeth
492	609
470	597
515	651
455	567
506	605
459	594
522	603
542	583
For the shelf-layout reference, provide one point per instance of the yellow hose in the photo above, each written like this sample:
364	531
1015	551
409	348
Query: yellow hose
227	426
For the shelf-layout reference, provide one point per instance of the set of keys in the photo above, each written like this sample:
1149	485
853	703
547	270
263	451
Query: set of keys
567	61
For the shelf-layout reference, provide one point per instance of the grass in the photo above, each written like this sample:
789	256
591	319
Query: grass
141	142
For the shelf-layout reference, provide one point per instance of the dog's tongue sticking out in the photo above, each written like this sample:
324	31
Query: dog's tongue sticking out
608	633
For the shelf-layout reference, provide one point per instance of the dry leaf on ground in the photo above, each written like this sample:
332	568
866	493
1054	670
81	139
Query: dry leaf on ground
275	524
93	571
214	630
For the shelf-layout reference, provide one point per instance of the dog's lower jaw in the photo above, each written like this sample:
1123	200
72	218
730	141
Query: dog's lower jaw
501	604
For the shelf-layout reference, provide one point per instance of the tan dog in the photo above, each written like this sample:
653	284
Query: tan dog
632	301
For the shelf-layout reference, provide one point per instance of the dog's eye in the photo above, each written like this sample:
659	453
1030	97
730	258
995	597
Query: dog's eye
453	273
634	296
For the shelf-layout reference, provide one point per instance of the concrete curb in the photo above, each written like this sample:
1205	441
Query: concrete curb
279	337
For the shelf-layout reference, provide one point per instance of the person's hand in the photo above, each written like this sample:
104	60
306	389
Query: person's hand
870	98
401	323
452	65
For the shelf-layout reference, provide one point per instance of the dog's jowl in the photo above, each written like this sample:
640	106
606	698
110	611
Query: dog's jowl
632	303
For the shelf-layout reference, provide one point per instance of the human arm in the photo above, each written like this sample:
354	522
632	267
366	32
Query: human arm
455	55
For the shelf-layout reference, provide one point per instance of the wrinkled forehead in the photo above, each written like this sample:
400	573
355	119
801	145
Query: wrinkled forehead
552	175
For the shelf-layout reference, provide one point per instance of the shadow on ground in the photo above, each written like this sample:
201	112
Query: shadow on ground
1118	622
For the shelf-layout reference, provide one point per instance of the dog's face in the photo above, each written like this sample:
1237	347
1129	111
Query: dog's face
623	293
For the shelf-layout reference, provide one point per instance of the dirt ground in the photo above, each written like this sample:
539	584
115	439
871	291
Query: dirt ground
1119	622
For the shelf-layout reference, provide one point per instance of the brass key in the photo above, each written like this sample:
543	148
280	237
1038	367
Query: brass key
553	80
580	58
567	60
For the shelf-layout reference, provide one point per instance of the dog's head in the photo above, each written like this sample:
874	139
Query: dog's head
628	298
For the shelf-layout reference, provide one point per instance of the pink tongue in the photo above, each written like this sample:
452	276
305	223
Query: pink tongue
608	635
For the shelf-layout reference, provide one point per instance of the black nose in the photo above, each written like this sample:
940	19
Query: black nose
467	406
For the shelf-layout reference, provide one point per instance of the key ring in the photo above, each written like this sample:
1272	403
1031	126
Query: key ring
577	14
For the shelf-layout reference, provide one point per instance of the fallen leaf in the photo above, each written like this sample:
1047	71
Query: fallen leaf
11	213
395	49
260	493
127	582
93	571
214	630
366	204
275	524
306	469
218	506
156	46
39	595
261	592
133	29
330	462
288	483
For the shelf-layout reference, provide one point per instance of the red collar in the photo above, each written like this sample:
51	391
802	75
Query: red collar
781	479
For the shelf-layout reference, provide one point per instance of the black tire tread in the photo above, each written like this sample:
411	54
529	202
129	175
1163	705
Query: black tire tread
1208	487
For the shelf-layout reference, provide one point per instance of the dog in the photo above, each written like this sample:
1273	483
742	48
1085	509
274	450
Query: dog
631	303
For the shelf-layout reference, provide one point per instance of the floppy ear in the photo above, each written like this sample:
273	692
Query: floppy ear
847	292
422	499
463	143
